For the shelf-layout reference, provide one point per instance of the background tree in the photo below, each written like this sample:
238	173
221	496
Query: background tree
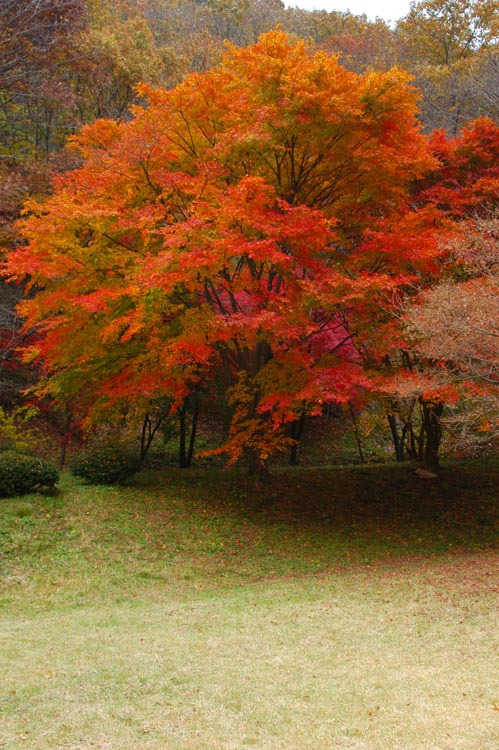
483	77
466	181
456	326
364	45
438	42
63	63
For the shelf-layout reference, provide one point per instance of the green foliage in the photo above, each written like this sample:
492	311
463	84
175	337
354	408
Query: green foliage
20	474
106	464
16	431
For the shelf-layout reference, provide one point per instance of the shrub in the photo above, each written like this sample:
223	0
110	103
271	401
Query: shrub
106	465
20	474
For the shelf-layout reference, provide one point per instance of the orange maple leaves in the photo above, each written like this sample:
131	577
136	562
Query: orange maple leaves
226	228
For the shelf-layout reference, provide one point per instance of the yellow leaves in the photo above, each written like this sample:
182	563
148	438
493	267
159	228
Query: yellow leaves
445	32
264	60
485	425
31	354
125	48
276	44
295	118
250	431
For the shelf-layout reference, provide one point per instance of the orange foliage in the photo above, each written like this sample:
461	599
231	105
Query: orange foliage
253	222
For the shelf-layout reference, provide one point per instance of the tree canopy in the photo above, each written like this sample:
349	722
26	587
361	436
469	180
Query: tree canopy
253	222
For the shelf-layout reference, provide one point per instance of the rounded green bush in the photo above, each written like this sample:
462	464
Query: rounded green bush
105	465
20	474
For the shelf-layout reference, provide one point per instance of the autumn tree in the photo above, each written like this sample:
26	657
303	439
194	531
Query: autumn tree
111	56
29	30
31	35
438	41
464	187
366	46
466	180
483	78
445	31
456	326
253	223
62	64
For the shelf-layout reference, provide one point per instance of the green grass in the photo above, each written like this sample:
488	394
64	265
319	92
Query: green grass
350	608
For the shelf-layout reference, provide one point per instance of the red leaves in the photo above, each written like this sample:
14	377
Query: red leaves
468	176
234	225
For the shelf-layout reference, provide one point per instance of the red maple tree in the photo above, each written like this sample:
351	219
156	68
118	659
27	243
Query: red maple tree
254	222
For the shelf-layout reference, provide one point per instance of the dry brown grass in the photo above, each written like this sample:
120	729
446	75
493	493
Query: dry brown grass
348	609
400	658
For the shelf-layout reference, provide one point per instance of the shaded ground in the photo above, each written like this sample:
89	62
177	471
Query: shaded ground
206	529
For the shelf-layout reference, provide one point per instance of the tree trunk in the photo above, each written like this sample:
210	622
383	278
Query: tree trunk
296	434
145	437
433	433
149	430
66	437
182	456
186	452
194	427
257	467
398	439
356	433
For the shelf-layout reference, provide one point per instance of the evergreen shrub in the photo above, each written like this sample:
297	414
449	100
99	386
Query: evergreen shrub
20	474
105	464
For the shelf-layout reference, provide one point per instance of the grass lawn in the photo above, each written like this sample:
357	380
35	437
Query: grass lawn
347	608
